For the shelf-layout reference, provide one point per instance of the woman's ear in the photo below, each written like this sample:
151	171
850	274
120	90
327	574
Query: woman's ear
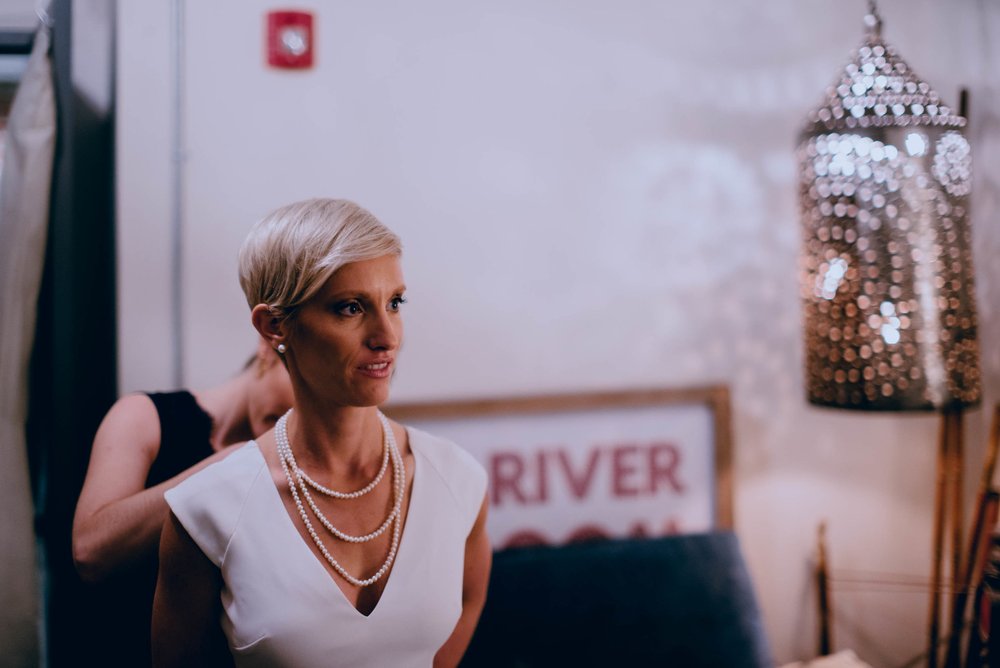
272	329
265	357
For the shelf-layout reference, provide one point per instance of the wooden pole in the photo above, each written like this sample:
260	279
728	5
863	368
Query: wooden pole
957	505
986	481
958	572
982	526
823	592
991	503
937	549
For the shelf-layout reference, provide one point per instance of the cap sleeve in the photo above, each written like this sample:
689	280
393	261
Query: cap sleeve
472	484
464	477
209	503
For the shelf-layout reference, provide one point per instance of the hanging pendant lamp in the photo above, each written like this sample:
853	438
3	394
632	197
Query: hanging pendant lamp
886	266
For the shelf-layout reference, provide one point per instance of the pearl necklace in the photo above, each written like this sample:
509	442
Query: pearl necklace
303	479
288	465
301	475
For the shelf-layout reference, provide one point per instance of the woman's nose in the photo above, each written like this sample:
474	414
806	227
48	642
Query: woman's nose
384	334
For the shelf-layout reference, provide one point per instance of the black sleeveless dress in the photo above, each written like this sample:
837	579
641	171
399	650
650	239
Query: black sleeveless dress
123	603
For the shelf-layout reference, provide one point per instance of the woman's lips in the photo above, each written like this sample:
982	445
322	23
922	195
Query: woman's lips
381	369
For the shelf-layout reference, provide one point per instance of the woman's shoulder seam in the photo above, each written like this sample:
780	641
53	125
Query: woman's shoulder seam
262	468
456	452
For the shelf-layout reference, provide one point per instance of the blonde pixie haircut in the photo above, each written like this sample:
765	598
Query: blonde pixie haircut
292	252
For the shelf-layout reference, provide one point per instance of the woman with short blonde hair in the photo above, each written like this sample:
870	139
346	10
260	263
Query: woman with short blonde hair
292	252
340	538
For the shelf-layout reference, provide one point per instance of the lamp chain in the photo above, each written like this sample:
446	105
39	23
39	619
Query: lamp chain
873	20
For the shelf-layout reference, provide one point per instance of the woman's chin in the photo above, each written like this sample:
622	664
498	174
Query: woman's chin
372	396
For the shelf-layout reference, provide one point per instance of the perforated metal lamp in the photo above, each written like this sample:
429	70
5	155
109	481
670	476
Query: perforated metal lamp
886	265
890	315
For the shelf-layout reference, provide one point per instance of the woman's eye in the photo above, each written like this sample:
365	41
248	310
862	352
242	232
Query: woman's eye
396	302
349	308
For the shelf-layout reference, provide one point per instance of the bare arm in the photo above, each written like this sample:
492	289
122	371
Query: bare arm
117	520
186	607
478	559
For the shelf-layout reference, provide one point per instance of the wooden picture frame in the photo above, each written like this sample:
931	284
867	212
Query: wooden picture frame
572	467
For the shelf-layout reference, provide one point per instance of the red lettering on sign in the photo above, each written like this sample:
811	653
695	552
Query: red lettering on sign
506	470
588	533
629	470
579	485
664	460
672	527
524	538
638	530
543	477
623	470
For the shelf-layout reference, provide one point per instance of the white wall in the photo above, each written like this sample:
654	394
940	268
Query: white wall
592	196
18	14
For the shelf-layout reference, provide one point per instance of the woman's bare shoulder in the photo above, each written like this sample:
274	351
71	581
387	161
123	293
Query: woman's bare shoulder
131	420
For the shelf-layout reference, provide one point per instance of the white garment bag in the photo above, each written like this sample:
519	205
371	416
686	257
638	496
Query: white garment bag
24	216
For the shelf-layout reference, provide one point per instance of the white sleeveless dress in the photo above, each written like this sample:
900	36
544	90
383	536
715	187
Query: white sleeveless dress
281	607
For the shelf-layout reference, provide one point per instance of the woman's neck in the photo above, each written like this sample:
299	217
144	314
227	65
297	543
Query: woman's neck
347	439
227	404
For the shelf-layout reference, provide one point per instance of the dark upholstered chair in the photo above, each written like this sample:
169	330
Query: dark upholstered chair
683	601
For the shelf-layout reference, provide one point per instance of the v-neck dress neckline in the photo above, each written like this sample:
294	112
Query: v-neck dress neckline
275	611
304	552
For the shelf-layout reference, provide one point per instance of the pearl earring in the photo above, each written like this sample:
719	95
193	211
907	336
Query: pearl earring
281	348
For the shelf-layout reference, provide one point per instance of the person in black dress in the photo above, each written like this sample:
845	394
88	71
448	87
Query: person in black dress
147	444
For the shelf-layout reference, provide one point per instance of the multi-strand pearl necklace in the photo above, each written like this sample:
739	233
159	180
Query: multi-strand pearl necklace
299	482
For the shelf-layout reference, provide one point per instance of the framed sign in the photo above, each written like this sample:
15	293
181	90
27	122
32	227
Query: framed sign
565	468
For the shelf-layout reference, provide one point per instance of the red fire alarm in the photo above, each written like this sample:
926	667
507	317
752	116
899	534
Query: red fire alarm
290	39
